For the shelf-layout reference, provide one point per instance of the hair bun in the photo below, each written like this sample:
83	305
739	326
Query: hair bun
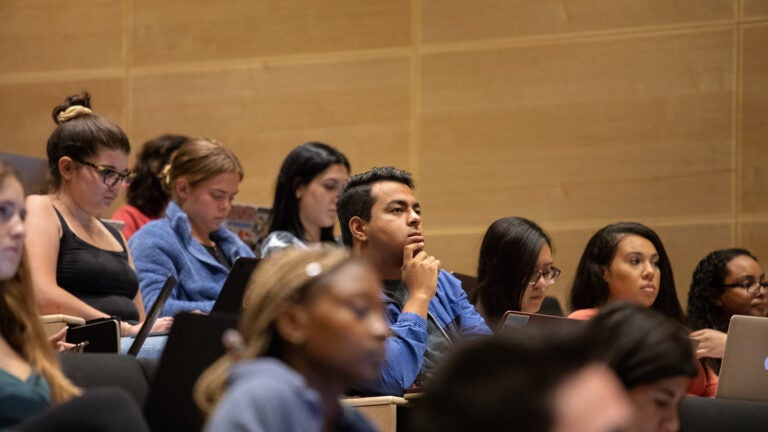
74	106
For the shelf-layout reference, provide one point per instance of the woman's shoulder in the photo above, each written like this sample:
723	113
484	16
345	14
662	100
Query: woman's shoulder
583	314
277	240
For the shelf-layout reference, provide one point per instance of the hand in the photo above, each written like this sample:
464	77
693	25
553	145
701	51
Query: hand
58	341
162	325
419	272
711	343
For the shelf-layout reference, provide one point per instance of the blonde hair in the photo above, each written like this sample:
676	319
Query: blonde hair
287	276
198	160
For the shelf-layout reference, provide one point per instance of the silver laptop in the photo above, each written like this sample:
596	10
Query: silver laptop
744	372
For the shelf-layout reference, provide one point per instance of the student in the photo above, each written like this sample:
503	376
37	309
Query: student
514	269
312	326
624	261
31	380
427	309
190	242
308	186
627	261
81	266
146	197
653	357
725	283
540	380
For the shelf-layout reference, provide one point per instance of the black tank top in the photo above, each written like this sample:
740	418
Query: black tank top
102	279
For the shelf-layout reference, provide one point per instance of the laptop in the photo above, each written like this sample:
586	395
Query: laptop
744	372
151	316
193	344
518	320
230	300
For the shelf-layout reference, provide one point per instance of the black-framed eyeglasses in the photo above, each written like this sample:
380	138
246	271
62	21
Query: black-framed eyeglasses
550	276
109	176
751	287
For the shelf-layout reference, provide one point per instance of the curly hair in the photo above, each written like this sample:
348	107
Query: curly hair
707	287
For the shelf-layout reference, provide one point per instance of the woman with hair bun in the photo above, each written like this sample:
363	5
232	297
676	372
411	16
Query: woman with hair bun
80	265
308	187
190	242
312	326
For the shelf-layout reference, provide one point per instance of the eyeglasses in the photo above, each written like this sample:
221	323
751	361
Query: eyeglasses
749	286
109	176
550	276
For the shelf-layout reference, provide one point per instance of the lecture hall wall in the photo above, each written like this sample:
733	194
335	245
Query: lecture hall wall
573	113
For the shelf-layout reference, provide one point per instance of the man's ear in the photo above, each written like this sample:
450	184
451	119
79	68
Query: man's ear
67	167
357	228
291	324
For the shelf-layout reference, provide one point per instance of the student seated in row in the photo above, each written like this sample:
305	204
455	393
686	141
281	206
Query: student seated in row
725	283
190	242
312	326
304	207
427	309
514	269
80	265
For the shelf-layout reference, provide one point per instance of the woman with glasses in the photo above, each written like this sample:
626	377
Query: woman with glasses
79	265
626	261
514	269
190	242
725	283
304	208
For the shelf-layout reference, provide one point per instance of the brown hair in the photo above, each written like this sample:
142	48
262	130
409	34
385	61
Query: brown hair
198	160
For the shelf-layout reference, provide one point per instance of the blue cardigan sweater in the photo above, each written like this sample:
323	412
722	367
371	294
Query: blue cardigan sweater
166	246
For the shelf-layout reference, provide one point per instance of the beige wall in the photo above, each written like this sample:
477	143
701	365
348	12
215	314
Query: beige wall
574	113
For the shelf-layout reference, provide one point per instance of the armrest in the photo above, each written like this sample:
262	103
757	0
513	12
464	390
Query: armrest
53	323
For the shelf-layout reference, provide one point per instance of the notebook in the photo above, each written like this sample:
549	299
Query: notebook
744	372
517	320
151	316
193	344
230	300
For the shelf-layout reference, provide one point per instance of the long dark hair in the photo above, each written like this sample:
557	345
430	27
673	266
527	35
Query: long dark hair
80	134
642	345
590	289
146	191
508	255
707	287
301	165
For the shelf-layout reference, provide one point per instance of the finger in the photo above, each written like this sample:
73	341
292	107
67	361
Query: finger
410	251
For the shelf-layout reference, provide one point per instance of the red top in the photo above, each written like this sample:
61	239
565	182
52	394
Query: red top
133	218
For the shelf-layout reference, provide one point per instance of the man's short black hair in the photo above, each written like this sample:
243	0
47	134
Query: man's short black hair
356	198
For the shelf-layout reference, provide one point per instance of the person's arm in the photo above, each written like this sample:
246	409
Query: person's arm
404	354
711	343
419	273
42	252
153	254
472	323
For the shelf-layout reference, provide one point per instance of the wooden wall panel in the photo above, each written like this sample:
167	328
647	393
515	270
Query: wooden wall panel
55	35
755	8
183	31
754	110
591	130
25	110
754	238
458	20
361	107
